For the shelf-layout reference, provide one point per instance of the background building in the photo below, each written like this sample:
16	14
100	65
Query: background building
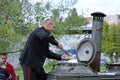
110	19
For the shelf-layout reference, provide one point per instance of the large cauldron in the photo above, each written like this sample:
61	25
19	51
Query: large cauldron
80	70
72	71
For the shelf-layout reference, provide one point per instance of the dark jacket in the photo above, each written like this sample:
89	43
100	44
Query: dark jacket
37	49
4	74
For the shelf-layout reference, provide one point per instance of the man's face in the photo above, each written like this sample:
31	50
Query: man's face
51	27
4	58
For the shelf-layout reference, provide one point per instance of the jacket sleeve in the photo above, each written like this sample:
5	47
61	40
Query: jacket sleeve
52	55
44	36
10	69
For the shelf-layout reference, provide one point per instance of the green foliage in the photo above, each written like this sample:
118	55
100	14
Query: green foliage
9	17
111	39
106	39
19	72
71	24
13	27
115	37
50	66
18	18
47	10
74	20
102	68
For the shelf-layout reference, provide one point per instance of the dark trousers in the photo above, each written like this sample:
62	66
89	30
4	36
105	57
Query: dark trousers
31	74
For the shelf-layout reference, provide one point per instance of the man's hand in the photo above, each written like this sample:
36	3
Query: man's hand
64	57
60	46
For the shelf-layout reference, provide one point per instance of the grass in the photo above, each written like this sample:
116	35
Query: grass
102	68
19	72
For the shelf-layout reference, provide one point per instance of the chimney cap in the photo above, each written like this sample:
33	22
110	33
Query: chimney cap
100	14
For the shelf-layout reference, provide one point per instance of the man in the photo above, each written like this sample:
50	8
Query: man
7	65
37	49
4	74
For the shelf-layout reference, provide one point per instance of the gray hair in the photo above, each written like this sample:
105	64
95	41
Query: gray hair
49	20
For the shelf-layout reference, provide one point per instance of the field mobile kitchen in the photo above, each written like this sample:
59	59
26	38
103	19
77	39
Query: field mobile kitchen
88	58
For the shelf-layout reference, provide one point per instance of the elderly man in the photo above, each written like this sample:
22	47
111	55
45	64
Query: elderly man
37	49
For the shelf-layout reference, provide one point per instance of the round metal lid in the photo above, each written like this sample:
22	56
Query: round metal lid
86	51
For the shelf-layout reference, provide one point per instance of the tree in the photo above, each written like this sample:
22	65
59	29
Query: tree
107	46
13	25
74	20
111	39
20	17
9	20
43	10
115	37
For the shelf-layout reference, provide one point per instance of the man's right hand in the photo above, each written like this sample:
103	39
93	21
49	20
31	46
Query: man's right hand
64	57
60	46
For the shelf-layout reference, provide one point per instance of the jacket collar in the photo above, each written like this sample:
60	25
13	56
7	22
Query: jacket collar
45	29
